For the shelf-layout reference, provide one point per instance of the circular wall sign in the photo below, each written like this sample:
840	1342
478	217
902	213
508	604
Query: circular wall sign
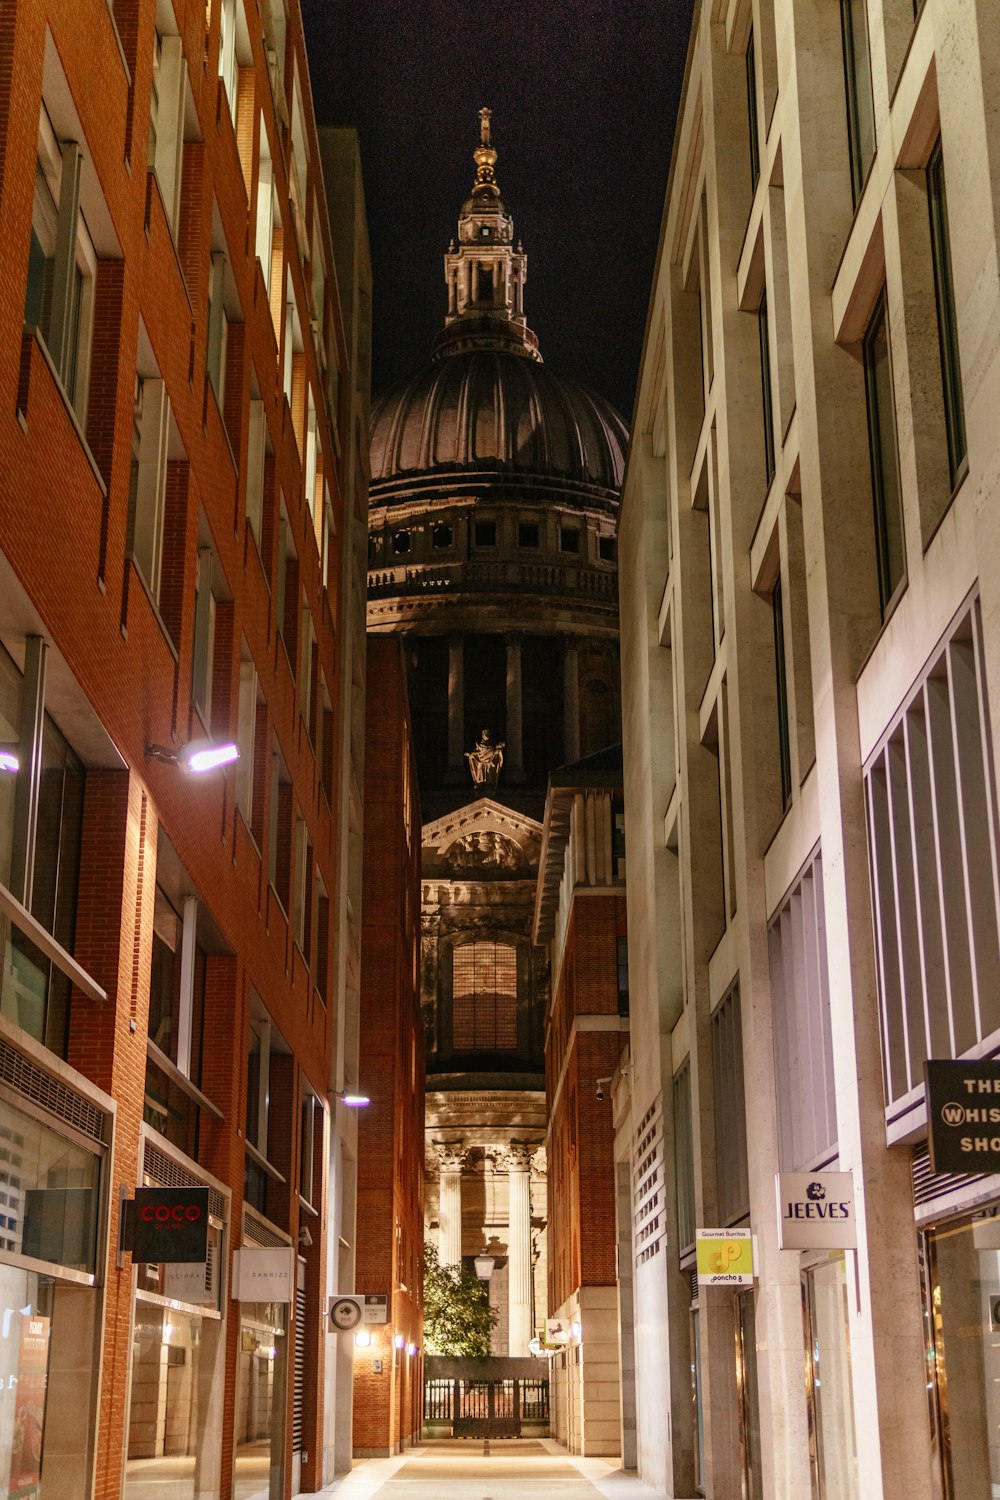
344	1313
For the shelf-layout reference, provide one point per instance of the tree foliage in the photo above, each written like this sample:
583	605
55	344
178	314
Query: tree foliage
458	1319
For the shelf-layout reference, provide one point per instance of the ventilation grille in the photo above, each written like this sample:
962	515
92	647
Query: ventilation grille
299	1384
256	1232
165	1172
928	1185
648	1189
52	1094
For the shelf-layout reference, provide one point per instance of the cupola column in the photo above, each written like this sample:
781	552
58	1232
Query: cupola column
515	746
451	1157
571	700
456	706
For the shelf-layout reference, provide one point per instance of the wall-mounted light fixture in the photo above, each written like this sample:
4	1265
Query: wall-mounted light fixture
197	757
305	1238
352	1099
398	1341
411	1350
8	761
362	1339
485	1265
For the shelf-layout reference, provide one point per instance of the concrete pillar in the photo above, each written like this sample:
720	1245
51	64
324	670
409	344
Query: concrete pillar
451	1156
571	701
515	746
517	1159
456	706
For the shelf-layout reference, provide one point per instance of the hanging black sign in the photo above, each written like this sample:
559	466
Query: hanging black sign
963	1115
169	1225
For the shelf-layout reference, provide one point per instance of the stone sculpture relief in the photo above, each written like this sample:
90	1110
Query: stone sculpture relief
486	760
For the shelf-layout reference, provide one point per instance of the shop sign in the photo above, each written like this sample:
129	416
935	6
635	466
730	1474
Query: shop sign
29	1410
557	1331
346	1312
376	1307
264	1275
725	1257
168	1225
963	1115
816	1211
192	1281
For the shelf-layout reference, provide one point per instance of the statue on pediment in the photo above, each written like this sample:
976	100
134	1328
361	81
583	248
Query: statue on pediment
486	760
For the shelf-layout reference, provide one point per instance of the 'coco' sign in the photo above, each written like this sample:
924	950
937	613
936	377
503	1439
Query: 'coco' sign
169	1225
816	1211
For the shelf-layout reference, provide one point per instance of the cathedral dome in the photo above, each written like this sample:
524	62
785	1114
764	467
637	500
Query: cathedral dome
492	409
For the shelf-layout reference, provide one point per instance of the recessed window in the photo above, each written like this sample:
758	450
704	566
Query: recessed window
951	373
606	548
858	83
569	538
443	536
886	497
781	696
485	533
754	138
401	542
767	405
528	534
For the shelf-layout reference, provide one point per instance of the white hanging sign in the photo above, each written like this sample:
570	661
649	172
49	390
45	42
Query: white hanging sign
264	1275
816	1211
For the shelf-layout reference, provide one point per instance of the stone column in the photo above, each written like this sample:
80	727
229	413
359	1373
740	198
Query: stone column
456	706
517	1160
451	1160
515	746
571	701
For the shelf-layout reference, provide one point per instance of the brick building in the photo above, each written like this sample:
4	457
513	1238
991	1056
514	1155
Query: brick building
580	916
388	1392
180	479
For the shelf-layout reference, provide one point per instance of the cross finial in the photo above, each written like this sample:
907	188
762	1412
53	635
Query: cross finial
485	116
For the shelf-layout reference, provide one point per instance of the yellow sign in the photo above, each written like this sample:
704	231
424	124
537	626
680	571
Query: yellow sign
725	1257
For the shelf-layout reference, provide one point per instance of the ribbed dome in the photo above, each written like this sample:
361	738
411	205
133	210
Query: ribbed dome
490	409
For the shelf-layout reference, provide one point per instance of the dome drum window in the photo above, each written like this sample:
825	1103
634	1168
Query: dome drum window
569	538
606	548
402	543
485	533
528	534
443	536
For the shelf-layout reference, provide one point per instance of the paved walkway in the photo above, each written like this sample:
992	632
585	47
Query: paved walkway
499	1470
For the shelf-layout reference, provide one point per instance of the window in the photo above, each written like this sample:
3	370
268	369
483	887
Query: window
485	533
308	668
401	543
951	369
152	433
484	997
730	1110
280	829
684	1160
257	447
62	265
286	603
858	86
246	735
932	838
569	539
781	695
767	406
255	1176
176	1022
443	536
310	1145
265	207
886	498
218	327
803	1046
606	549
302	889
753	134
528	534
311	472
621	959
165	153
203	650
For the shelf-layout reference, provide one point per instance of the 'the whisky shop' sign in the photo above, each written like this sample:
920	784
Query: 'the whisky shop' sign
963	1115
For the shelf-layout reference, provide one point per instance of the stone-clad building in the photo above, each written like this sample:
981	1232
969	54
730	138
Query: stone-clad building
492	550
809	536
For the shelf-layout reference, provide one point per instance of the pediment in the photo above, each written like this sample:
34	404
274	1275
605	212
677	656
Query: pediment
482	841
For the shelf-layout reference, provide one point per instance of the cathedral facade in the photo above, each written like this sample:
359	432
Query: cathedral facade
492	550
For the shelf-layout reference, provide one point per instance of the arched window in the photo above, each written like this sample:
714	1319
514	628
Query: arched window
484	997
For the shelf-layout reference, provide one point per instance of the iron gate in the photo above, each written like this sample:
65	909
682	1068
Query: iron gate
486	1408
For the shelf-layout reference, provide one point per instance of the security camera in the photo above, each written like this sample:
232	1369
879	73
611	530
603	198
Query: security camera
600	1092
600	1086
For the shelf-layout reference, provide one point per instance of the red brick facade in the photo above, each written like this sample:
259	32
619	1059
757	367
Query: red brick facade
123	656
388	1402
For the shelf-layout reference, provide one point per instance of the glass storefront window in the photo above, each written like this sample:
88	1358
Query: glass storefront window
172	1448
963	1290
48	1193
696	1401
828	1372
261	1382
746	1382
48	1349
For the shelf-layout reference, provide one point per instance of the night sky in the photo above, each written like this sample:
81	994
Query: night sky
584	96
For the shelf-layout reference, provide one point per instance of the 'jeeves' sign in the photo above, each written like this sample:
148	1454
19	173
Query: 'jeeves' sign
816	1211
963	1115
